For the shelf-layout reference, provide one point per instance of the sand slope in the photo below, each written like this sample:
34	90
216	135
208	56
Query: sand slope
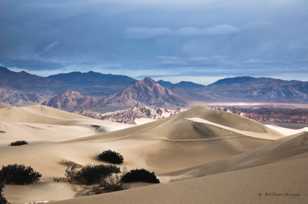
177	137
153	145
282	149
274	173
267	134
277	183
41	123
200	150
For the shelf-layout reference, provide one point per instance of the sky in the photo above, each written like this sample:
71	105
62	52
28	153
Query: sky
196	40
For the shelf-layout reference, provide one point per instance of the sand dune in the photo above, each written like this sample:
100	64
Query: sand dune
37	192
41	123
287	131
37	114
181	138
207	156
275	173
153	145
267	134
277	183
282	149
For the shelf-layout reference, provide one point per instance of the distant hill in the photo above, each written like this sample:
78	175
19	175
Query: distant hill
71	101
182	84
15	97
258	89
246	88
189	91
22	81
148	92
89	83
142	92
101	92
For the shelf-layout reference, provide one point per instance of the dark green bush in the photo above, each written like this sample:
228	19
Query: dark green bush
19	174
19	143
111	157
140	175
2	198
89	175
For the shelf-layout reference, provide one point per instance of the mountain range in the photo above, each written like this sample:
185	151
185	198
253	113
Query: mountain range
90	83
105	92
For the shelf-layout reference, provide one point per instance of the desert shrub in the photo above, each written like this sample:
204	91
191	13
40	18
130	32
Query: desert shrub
112	183
140	175
70	164
19	174
98	128
19	143
109	184
60	179
91	174
2	198
111	157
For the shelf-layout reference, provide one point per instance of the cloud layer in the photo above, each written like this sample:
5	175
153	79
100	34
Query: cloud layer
136	37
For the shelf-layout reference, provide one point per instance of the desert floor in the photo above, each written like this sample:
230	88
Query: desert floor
200	156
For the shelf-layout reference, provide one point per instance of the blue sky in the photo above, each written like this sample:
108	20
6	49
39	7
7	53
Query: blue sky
198	40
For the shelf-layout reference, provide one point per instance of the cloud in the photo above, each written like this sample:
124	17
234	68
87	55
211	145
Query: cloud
147	3
197	34
31	64
171	60
222	30
49	47
144	32
155	32
214	30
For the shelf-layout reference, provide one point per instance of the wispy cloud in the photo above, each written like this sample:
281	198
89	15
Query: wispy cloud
146	32
155	32
49	47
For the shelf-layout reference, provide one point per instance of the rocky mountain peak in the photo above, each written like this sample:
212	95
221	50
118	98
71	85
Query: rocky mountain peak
147	91
71	100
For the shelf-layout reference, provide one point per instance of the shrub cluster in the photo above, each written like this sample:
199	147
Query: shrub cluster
91	174
19	143
140	175
111	157
19	174
105	178
2	198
